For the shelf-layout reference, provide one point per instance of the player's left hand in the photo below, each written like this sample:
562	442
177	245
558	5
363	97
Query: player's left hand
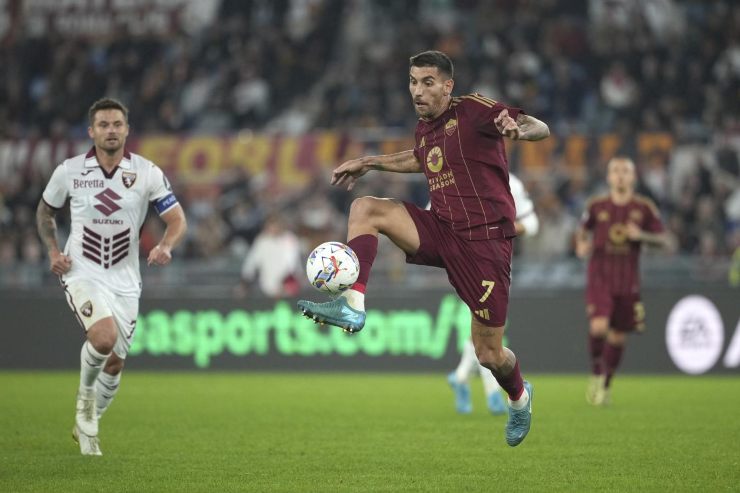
506	125
634	233
159	255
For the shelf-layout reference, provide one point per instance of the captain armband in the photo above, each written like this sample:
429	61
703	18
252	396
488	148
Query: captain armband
165	203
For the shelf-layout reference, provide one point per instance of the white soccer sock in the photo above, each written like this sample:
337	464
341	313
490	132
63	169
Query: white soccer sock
522	402
468	362
490	384
355	299
106	387
91	363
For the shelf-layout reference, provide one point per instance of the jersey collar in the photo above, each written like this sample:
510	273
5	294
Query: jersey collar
91	161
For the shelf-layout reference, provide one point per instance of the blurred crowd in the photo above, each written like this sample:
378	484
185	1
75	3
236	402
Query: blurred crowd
584	66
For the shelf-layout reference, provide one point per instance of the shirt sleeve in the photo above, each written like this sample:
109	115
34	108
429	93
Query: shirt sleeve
160	191
485	110
56	191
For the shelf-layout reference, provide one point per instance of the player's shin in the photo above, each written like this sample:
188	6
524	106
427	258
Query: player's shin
366	248
595	351
510	378
612	358
106	387
86	419
91	364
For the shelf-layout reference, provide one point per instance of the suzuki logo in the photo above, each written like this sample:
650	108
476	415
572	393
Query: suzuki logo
107	198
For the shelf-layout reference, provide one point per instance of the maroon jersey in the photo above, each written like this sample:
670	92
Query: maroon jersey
614	265
464	159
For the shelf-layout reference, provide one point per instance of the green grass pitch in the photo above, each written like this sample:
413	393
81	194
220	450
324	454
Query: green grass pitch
311	432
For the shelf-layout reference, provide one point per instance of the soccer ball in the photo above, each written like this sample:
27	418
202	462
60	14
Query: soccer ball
332	267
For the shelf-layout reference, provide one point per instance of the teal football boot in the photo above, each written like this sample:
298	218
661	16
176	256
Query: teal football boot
335	312
519	421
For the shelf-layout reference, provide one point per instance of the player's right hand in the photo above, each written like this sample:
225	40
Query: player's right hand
583	249
348	172
59	263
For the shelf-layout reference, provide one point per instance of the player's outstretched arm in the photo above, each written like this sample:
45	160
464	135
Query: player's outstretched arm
525	127
348	172
46	224
530	128
176	227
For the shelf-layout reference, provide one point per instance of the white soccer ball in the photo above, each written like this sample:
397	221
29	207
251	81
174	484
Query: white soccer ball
332	267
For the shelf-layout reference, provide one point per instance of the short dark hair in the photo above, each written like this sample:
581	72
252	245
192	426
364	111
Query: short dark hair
433	58
106	104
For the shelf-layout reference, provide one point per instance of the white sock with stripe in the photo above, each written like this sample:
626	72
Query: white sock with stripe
91	364
106	387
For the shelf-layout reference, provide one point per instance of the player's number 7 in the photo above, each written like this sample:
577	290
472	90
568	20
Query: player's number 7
489	289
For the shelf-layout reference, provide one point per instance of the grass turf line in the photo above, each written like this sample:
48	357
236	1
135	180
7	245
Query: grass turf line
367	432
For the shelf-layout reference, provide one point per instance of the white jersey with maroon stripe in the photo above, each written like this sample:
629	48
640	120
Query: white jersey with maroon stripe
107	212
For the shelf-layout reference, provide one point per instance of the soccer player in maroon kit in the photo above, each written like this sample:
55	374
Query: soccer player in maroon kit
613	228
470	227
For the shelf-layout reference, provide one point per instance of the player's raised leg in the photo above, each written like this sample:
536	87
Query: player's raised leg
504	366
368	217
596	339
101	337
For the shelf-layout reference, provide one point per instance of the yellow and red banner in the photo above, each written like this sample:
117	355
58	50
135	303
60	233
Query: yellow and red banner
294	161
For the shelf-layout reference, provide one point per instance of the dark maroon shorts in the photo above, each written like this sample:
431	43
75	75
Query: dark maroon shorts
626	313
480	271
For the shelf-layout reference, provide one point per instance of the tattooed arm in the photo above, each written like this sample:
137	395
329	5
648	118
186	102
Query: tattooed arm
525	127
47	227
349	171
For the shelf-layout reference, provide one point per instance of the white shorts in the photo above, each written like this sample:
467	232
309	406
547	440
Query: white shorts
91	302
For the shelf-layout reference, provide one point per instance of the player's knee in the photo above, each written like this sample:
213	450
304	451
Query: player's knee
103	344
114	365
102	336
364	208
599	326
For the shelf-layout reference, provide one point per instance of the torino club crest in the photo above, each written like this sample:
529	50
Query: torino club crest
128	179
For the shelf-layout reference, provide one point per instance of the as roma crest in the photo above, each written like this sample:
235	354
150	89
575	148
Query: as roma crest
450	126
128	178
87	309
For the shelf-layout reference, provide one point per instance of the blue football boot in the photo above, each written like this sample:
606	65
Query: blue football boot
335	312
462	394
496	403
519	421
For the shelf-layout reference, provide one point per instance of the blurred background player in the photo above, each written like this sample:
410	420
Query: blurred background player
470	227
527	224
274	260
613	229
110	190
